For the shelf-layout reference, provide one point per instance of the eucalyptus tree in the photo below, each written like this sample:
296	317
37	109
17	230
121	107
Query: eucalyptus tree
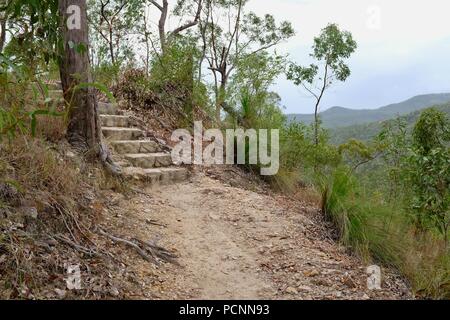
250	90
3	20
58	30
330	50
429	171
229	35
113	23
182	8
29	32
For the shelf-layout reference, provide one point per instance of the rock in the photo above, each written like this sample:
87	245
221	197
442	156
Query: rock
214	217
114	291
60	293
291	290
304	289
70	154
31	212
311	273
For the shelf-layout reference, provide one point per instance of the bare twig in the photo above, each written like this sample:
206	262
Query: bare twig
158	251
87	251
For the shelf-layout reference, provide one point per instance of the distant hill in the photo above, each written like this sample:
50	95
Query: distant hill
366	132
344	117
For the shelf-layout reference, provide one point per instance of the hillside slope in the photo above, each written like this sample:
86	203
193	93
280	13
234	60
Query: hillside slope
343	117
365	132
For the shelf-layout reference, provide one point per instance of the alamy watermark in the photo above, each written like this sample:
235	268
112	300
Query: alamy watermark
73	280
236	146
374	277
374	18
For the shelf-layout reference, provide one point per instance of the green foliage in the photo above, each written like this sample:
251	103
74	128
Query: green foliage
332	47
231	36
174	71
18	97
113	24
33	27
429	170
257	106
417	162
381	231
432	131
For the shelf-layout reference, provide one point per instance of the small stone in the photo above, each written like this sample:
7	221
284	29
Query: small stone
70	154
291	290
311	274
32	212
60	293
214	217
304	288
114	291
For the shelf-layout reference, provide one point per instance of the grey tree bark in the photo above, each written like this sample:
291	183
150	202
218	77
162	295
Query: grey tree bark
84	130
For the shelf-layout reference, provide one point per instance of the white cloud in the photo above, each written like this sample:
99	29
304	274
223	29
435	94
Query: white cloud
409	35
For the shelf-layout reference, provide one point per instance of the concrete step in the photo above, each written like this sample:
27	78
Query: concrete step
121	134
157	176
114	121
107	108
56	94
135	146
173	174
57	85
149	160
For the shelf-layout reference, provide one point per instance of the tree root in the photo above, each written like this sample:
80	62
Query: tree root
107	161
159	252
84	250
148	252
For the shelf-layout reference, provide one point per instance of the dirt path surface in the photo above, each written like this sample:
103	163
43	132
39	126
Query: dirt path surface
234	243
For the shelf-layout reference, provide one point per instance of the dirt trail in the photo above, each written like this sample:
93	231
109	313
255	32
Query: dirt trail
238	244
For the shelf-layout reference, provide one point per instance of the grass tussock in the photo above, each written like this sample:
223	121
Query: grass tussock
35	165
382	233
47	209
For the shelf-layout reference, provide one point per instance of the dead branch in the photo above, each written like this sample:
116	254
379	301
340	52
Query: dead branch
158	251
138	249
87	251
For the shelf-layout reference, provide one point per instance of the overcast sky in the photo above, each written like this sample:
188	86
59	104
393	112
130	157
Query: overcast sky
404	48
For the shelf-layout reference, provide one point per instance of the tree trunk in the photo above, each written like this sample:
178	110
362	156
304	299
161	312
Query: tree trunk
221	97
111	46
162	25
316	124
2	33
84	128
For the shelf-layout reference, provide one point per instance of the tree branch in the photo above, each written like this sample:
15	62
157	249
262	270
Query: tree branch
191	23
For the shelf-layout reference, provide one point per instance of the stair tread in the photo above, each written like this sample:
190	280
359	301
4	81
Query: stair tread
134	142
147	155
114	116
121	129
155	170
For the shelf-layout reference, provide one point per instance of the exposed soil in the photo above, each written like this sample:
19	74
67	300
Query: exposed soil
234	243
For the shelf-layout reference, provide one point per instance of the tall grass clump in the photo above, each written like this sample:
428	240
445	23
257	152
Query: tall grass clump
381	232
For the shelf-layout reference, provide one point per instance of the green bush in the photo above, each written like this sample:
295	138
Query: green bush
382	232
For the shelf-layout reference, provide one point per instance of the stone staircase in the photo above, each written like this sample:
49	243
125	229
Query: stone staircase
140	158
